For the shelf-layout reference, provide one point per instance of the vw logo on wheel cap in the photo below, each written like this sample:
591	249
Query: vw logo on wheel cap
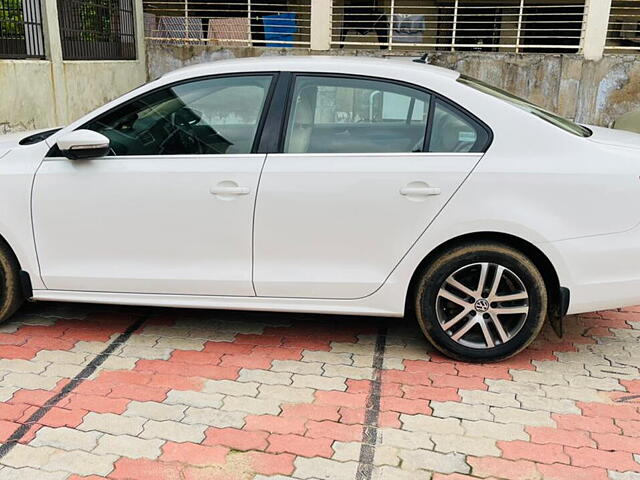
482	305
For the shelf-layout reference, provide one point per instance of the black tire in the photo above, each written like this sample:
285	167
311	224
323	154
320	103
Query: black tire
11	297
465	256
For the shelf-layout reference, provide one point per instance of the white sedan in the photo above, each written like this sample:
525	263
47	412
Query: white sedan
328	185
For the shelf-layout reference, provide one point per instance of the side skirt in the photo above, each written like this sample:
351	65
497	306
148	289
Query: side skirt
311	305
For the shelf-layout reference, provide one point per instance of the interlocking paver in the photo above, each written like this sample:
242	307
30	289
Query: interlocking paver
319	382
214	417
194	399
155	411
127	446
112	423
434	461
235	395
174	431
66	438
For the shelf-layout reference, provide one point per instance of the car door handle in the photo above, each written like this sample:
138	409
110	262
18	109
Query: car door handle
420	191
230	190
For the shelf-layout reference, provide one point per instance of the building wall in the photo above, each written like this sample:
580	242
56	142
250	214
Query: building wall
592	92
53	92
28	99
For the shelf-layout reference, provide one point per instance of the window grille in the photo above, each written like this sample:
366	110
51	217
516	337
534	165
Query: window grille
482	25
624	26
242	23
21	34
97	29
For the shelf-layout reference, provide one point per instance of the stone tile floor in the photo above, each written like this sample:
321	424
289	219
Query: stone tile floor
126	393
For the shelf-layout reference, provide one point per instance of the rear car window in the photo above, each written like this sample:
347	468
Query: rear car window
560	122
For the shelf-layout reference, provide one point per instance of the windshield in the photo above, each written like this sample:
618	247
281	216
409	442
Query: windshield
522	104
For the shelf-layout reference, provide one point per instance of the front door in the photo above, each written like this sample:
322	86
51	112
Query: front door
356	184
171	210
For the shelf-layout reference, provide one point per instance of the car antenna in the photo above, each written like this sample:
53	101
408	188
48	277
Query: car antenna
423	59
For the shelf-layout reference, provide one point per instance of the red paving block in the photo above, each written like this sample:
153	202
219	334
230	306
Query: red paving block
12	339
226	348
254	339
236	439
49	343
356	416
405	378
6	429
143	469
62	417
521	450
15	352
364	386
310	411
333	430
567	472
298	445
341	399
572	438
278	353
632	386
578	422
430	368
591	457
405	405
12	411
272	464
276	424
466	383
502	468
193	357
210	473
496	372
246	361
611	441
629	427
141	393
618	411
192	454
176	382
439	394
123	377
95	403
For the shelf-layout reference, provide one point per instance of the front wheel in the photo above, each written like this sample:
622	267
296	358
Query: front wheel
481	302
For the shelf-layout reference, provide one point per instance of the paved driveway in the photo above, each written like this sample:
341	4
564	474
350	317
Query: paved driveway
125	393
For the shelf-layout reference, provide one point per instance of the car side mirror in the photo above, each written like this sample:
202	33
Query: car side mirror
83	144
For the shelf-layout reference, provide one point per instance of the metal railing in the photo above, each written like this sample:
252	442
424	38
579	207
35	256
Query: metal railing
490	25
21	33
97	29
624	26
274	23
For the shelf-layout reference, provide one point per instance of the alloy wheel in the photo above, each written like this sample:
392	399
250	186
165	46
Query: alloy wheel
482	305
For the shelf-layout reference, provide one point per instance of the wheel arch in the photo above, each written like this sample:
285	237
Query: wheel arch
541	261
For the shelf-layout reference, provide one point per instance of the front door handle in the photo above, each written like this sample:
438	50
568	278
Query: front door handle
420	191
230	190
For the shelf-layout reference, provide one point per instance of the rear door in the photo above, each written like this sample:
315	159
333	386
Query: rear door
365	166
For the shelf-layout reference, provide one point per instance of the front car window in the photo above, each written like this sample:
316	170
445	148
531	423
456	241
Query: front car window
355	115
212	116
529	107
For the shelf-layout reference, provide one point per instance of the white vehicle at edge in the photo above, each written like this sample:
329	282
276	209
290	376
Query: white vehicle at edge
327	185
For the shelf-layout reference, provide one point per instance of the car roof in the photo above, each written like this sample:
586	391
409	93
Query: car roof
325	64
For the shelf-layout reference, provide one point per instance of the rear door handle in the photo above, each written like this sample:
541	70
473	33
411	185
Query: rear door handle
230	190
420	191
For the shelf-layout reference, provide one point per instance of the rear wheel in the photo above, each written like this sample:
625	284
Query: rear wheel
481	302
11	297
